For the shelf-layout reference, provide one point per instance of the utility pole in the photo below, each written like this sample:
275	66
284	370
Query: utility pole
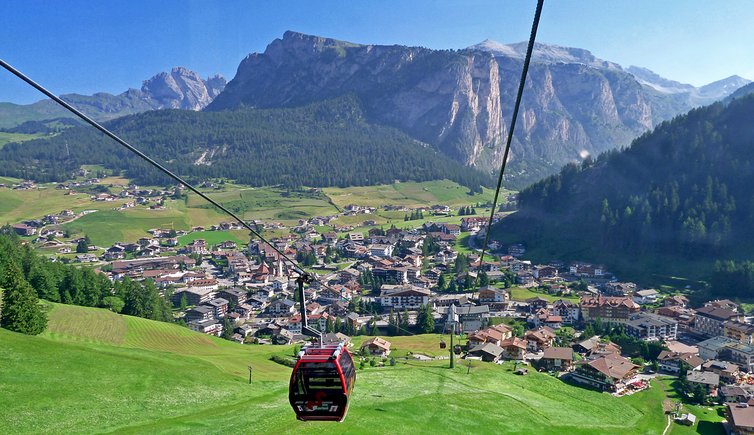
452	320
250	369
452	354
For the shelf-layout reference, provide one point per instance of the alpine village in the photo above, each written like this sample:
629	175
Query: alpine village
601	304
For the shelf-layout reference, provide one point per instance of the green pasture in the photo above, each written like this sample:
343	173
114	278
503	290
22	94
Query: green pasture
18	205
6	138
215	237
95	371
522	294
410	194
267	204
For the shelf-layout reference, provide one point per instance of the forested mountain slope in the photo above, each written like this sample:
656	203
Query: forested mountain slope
682	191
323	144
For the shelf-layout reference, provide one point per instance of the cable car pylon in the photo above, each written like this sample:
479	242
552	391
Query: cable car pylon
452	319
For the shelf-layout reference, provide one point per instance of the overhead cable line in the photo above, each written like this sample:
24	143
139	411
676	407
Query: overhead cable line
521	85
131	148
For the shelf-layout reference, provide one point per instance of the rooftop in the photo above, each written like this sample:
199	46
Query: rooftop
613	365
716	343
377	341
706	378
645	320
565	353
716	313
488	348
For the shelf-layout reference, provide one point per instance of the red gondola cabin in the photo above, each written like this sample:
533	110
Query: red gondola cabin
321	383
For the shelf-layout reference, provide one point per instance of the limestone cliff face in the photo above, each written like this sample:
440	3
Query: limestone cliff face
178	89
181	89
450	99
460	101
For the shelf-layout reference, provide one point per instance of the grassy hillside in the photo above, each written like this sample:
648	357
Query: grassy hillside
109	225
16	137
16	205
410	194
98	371
268	203
675	202
215	237
15	114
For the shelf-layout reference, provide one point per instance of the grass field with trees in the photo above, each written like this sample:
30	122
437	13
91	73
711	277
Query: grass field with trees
94	370
6	137
109	225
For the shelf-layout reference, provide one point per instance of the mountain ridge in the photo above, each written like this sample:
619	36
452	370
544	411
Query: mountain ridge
327	143
179	88
457	101
460	101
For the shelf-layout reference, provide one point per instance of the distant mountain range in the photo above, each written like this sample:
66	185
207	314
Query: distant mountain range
327	143
457	101
178	89
460	101
696	96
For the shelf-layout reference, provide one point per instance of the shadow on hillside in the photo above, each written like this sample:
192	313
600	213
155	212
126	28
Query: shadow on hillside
710	428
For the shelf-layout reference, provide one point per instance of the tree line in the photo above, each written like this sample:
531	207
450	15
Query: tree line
28	277
323	144
682	190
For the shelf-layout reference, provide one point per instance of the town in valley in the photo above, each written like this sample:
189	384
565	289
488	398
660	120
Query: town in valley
574	320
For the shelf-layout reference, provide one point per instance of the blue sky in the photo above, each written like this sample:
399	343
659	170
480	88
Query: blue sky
89	46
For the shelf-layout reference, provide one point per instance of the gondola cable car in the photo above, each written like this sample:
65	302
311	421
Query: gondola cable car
324	376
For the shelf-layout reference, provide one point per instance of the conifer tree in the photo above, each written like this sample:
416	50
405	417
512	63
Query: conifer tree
392	323
441	283
338	327
21	312
375	330
425	323
483	279
227	329
404	321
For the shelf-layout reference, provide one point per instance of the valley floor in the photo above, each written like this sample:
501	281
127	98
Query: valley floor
98	371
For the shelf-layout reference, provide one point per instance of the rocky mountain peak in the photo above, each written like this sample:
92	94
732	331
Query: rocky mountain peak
181	88
303	46
721	88
458	100
545	53
692	95
657	82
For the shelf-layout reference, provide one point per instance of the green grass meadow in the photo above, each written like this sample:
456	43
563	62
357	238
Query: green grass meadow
109	225
215	237
17	205
96	371
410	194
268	203
522	294
6	138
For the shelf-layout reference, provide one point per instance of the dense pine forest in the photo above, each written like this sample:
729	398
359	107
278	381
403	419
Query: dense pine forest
322	144
683	191
26	277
